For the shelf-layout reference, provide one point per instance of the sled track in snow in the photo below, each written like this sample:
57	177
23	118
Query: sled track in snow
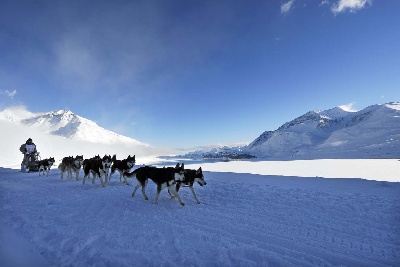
244	222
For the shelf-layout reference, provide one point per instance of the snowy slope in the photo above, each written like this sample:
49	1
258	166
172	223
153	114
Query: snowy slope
244	220
14	133
67	124
371	132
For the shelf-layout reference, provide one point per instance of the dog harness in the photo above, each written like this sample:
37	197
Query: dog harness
184	183
172	182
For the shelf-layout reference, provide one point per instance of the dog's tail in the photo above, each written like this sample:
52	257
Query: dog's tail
84	162
61	166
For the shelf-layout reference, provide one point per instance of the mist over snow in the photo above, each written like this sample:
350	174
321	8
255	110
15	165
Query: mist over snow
62	133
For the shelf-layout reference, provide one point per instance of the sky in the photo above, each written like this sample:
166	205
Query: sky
197	73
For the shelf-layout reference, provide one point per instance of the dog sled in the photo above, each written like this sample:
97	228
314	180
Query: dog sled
31	162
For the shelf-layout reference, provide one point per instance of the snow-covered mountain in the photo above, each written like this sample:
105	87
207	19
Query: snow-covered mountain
223	152
67	124
371	132
62	133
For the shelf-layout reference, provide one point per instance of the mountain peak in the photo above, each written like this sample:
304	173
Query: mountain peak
64	111
337	112
348	107
66	123
370	132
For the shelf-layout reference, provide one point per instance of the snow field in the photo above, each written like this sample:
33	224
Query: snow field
244	220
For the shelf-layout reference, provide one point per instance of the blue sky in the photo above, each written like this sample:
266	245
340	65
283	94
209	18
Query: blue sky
194	73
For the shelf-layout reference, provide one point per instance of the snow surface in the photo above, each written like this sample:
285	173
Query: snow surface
321	212
244	219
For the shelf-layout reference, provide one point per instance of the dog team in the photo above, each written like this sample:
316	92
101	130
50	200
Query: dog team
171	177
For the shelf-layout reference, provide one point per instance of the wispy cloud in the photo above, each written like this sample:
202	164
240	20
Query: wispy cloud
8	93
324	2
285	8
350	5
349	107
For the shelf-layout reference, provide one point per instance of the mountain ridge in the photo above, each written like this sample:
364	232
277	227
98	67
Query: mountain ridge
67	124
373	132
327	132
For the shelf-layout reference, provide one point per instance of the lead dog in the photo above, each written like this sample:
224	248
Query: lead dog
70	165
98	167
45	165
122	166
191	177
165	177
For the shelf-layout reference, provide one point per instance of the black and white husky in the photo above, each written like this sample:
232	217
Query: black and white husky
45	165
191	177
122	166
98	167
70	165
165	177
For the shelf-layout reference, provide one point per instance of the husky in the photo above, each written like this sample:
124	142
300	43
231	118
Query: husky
191	177
71	164
98	167
165	177
122	166
85	161
45	165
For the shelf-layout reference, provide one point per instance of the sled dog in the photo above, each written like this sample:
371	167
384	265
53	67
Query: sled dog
162	177
98	167
45	165
191	177
85	161
70	165
122	166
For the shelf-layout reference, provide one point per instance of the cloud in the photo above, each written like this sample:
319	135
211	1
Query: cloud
8	93
285	8
349	107
351	5
324	2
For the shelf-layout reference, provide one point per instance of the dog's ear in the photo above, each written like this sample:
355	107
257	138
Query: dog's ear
183	166
177	166
199	170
